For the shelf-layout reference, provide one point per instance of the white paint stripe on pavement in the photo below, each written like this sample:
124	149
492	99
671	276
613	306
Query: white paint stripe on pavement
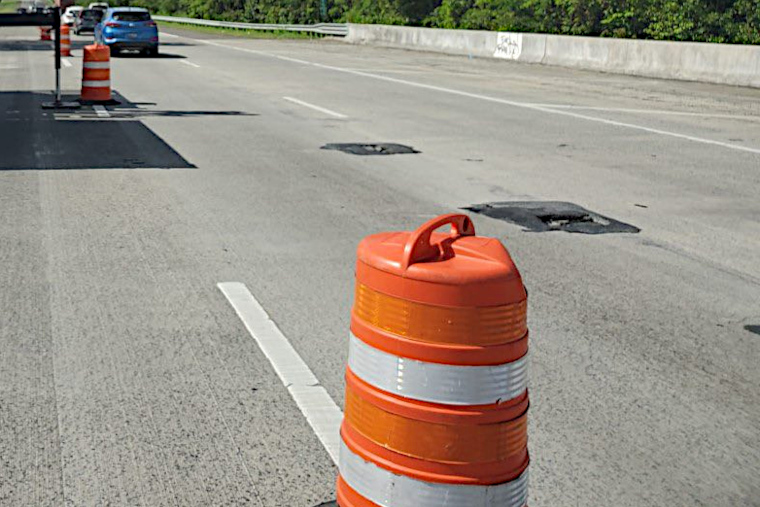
497	100
321	412
190	64
170	35
664	112
316	108
101	111
65	62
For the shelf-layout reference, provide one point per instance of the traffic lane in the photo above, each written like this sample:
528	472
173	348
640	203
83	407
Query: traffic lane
689	190
159	395
530	84
163	397
29	439
632	350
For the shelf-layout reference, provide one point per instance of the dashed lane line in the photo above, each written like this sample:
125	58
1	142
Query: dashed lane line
101	111
314	107
321	412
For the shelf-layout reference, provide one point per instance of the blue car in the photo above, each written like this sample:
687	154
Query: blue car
128	28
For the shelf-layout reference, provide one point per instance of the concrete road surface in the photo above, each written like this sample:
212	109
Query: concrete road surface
127	379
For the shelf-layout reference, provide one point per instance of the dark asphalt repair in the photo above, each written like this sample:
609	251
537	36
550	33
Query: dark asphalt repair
371	148
752	329
546	216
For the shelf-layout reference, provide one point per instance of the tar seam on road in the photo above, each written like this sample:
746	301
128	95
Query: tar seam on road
321	412
101	111
487	98
316	108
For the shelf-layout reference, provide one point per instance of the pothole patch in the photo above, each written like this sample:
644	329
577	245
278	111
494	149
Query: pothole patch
371	148
547	216
752	329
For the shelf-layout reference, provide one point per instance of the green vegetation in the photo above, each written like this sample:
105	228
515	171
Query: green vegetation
250	34
7	6
734	21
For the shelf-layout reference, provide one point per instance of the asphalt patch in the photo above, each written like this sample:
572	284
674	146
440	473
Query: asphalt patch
371	148
547	216
753	329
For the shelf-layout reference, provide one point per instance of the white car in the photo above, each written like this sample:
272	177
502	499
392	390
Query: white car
70	14
99	5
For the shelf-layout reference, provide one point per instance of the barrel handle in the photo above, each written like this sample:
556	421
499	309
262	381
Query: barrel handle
418	247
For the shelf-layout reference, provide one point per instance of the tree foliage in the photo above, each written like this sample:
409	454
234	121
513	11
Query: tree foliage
735	21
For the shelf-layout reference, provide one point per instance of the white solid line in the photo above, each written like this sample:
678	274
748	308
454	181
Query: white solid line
648	111
286	58
101	111
170	35
316	108
513	103
190	64
321	412
65	62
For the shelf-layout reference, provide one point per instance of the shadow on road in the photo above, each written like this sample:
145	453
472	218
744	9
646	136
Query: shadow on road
135	54
35	139
28	45
178	44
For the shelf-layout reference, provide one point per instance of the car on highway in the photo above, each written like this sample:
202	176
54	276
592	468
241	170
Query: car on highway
37	8
103	6
128	28
70	14
87	20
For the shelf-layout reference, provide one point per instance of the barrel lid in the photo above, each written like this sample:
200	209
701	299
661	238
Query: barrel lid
447	269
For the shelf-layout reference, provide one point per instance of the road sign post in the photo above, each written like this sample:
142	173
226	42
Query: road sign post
58	103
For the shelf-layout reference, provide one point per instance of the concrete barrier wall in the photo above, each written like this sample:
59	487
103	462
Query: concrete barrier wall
691	61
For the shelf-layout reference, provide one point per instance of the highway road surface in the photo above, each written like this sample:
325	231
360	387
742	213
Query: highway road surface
128	379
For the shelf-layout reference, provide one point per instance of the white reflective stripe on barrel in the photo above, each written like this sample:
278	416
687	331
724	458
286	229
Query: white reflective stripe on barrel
390	490
96	84
435	382
97	65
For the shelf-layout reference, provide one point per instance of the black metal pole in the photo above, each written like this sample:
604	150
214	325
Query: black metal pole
57	28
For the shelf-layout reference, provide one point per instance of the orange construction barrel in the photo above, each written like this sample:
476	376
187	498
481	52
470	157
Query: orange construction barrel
65	40
96	74
436	384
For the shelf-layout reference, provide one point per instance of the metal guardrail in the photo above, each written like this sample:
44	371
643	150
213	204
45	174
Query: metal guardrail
337	29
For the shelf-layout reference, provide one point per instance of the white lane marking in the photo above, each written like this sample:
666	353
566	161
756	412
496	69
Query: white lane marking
101	111
487	98
321	412
65	63
649	111
316	108
190	64
286	58
170	35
